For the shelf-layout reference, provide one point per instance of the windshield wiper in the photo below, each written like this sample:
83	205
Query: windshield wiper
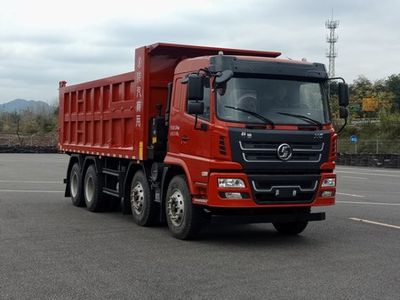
305	118
258	116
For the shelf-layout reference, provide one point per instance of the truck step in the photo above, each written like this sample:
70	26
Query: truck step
111	172
111	192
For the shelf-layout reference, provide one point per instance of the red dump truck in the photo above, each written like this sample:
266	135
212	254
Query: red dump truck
203	134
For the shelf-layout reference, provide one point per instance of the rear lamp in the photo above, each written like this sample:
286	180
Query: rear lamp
230	183
329	182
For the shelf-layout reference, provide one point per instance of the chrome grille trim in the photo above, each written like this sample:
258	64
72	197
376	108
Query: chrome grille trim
255	149
277	160
284	186
247	151
275	148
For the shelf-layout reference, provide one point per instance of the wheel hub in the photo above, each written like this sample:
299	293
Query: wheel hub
176	208
89	189
137	198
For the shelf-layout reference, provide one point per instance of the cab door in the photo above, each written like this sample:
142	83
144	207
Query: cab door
190	143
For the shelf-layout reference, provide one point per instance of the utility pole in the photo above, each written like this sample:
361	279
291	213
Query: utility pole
331	39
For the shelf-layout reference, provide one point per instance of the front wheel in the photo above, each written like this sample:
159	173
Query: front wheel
183	217
290	228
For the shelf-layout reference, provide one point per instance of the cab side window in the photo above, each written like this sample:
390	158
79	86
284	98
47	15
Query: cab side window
206	100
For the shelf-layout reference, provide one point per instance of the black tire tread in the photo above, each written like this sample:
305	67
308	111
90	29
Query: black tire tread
194	218
79	200
151	211
99	201
290	228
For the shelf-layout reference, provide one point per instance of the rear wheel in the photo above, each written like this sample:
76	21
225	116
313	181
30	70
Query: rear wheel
183	217
75	186
144	209
92	190
291	228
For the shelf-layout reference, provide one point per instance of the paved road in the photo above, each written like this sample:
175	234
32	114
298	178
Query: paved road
52	250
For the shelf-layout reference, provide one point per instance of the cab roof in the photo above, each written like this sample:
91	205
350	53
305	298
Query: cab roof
189	51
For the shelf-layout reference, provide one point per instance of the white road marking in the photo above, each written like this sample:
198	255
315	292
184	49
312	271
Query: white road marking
353	177
375	223
369	203
375	170
365	173
29	191
351	195
28	181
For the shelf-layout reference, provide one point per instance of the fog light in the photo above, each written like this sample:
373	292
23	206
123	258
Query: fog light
233	195
329	182
326	194
230	183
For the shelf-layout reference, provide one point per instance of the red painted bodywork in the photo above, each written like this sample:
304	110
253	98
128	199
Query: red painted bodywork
111	116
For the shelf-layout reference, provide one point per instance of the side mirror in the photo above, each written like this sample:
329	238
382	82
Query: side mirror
195	108
224	76
195	88
343	112
343	94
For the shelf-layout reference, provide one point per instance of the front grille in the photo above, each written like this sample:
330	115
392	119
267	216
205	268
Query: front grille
257	150
253	151
278	189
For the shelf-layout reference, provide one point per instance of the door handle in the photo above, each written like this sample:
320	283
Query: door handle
185	138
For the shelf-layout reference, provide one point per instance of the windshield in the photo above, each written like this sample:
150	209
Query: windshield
254	100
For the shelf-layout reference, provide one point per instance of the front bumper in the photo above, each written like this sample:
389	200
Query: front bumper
268	218
269	191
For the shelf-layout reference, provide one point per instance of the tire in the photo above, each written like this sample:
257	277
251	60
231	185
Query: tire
183	217
92	190
290	228
75	186
144	209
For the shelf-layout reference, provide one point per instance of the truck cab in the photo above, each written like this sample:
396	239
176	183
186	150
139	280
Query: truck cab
269	123
253	133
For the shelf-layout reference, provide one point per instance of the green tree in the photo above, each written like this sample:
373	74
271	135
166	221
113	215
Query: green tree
29	124
1	122
393	86
15	124
359	89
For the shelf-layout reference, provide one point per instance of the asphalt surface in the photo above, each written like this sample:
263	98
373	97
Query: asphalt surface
50	249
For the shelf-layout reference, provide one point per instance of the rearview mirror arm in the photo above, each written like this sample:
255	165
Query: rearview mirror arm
343	126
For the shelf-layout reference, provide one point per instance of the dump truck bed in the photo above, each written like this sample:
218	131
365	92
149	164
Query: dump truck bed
111	116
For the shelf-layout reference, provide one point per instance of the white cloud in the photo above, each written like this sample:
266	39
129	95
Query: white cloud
43	42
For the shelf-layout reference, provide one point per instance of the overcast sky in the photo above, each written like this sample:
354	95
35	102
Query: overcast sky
43	42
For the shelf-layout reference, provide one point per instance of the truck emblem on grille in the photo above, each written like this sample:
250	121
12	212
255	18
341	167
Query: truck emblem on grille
249	135
318	136
284	152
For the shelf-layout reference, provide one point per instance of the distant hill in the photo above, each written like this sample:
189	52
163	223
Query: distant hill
22	104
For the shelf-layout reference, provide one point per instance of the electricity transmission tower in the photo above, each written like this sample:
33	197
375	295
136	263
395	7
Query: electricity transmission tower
331	39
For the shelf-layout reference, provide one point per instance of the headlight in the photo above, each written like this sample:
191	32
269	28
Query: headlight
230	183
329	182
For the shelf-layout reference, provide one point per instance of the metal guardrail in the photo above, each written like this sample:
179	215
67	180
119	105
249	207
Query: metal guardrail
370	146
369	160
369	153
